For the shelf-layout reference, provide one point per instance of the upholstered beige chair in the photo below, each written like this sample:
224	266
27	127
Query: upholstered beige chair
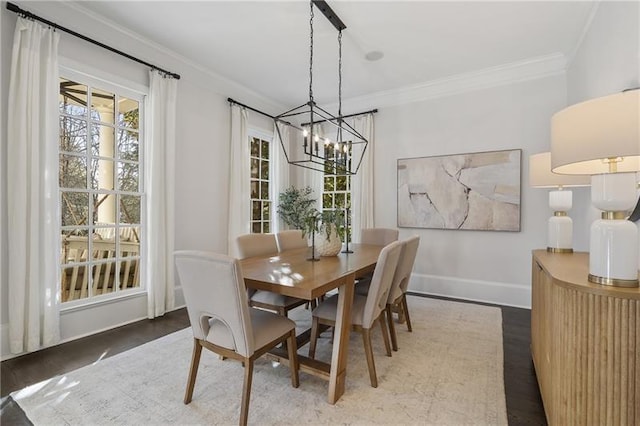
366	311
378	236
252	245
291	239
398	293
223	322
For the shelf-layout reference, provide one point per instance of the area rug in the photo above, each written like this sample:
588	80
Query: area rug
447	372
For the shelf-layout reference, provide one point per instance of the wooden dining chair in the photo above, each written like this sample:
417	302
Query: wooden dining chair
291	239
365	311
223	322
398	293
252	245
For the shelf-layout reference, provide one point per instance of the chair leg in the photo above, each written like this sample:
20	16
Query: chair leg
293	359
315	331
392	329
366	339
405	309
193	370
246	391
385	334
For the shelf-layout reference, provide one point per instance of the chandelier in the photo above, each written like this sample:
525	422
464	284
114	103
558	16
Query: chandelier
321	141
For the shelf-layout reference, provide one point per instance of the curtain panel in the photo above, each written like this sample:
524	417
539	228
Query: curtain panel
239	178
362	183
32	189
160	183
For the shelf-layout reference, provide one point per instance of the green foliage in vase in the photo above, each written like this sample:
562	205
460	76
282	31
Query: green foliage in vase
295	206
322	222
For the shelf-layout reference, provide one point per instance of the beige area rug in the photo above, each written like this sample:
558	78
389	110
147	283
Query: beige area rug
447	372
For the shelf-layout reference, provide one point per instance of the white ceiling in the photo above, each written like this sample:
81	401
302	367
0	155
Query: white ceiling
264	45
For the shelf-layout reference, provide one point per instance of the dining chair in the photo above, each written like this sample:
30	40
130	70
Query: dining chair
365	311
291	239
222	321
398	292
378	236
252	245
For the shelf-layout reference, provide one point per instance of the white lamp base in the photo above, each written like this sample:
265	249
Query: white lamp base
560	233
613	254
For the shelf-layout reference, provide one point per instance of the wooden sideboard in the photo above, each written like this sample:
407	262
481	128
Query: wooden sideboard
585	343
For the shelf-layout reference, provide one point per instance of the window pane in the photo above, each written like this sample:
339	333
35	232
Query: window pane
103	175
128	113
74	283
104	278
104	209
73	98
339	199
266	210
128	176
102	141
255	168
348	200
264	170
103	248
267	227
328	184
255	210
103	105
327	200
74	246
265	150
130	209
256	228
255	147
75	208
73	135
254	189
129	274
341	183
264	190
128	146
130	235
72	172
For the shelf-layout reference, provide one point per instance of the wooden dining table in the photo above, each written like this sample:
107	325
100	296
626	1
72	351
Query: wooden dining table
290	273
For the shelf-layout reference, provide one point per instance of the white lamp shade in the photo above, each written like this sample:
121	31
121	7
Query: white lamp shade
585	134
541	176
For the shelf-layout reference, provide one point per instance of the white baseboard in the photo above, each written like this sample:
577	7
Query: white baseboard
506	294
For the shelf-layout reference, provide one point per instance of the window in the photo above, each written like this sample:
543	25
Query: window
336	190
101	188
260	185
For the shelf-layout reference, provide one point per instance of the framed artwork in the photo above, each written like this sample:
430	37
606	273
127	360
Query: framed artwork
476	191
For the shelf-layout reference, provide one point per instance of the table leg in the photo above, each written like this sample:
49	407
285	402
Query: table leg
338	372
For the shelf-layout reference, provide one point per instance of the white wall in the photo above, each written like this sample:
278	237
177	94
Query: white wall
201	158
479	265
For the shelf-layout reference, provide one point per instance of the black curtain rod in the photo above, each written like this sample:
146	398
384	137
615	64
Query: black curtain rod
14	8
233	101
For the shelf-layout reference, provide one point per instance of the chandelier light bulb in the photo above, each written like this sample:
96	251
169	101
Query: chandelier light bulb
327	141
305	132
316	138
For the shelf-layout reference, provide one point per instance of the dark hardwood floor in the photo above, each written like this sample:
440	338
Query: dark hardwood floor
524	406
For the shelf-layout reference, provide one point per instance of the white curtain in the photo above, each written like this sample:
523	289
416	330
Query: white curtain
280	168
362	182
32	189
239	174
160	182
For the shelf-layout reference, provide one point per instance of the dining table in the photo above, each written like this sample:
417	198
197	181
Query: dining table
294	273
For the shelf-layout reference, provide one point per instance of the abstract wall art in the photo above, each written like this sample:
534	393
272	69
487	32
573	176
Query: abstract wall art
477	191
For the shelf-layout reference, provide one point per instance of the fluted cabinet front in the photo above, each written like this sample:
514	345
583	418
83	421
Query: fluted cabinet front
585	344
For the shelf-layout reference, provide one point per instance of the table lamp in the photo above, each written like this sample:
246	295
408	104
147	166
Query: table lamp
560	225
601	137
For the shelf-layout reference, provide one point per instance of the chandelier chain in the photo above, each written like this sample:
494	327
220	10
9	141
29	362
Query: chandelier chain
340	75
311	52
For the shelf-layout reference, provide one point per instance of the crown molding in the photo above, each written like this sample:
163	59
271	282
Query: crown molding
515	72
221	83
